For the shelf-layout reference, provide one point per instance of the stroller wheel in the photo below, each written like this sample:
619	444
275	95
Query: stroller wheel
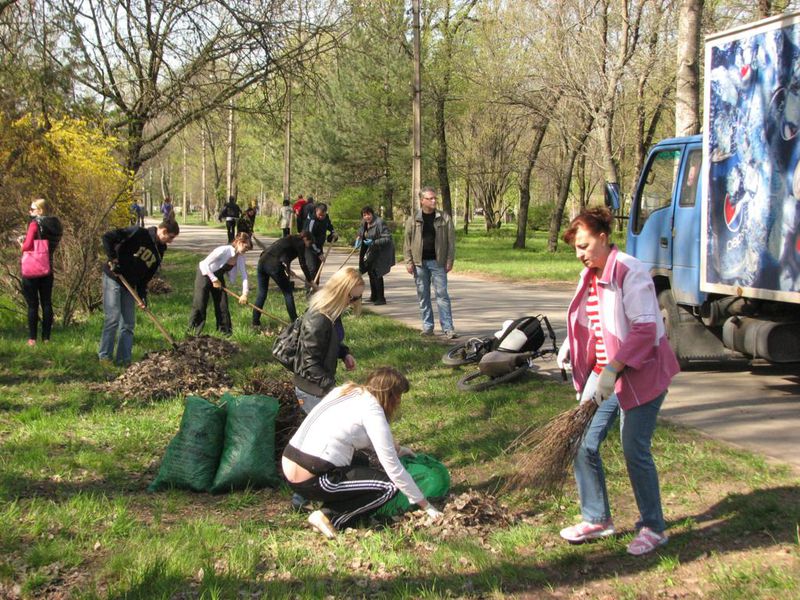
477	381
469	352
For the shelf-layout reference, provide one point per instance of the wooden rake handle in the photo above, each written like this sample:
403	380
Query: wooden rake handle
294	275
253	306
324	260
146	310
344	262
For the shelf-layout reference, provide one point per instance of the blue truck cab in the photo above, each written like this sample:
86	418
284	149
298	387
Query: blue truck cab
664	232
664	224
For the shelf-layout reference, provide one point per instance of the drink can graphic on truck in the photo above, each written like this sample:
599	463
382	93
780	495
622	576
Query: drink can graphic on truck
751	243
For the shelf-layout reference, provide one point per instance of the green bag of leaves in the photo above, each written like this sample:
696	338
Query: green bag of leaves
192	456
430	475
248	458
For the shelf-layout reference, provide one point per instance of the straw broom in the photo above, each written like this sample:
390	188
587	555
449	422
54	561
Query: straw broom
550	450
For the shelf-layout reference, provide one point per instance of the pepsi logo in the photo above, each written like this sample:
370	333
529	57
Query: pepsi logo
733	214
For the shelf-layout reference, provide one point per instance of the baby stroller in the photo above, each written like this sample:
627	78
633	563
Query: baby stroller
475	348
507	354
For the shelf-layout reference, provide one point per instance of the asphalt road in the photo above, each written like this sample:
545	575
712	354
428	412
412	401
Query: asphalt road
752	407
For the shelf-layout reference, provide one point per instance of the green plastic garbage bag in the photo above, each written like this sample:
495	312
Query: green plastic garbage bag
248	458
430	475
192	456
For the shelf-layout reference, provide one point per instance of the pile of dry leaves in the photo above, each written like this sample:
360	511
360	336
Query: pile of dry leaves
289	413
194	367
158	285
473	514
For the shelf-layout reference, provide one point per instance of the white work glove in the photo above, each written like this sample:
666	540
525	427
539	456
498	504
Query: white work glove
605	384
243	299
405	451
563	358
433	512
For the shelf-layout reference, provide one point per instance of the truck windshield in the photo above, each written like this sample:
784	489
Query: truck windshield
658	186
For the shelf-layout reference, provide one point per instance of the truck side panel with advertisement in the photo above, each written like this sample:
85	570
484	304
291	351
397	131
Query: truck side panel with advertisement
716	216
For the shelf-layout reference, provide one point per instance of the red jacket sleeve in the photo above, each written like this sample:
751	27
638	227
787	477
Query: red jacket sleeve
27	245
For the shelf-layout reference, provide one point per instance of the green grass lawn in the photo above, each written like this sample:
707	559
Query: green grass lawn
78	523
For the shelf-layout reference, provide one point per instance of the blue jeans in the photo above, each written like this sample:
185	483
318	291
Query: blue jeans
120	315
307	401
636	431
285	285
428	271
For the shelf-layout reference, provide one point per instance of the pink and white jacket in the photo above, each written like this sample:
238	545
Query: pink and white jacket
633	331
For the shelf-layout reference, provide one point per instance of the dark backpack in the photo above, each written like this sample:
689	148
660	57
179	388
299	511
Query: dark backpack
532	328
284	349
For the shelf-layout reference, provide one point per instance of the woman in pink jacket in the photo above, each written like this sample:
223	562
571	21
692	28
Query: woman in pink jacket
620	359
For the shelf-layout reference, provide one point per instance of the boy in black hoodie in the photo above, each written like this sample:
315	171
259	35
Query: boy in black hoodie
135	253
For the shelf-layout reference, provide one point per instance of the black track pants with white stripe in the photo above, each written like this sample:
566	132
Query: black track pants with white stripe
348	493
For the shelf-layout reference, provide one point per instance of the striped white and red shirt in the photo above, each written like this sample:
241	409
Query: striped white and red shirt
593	312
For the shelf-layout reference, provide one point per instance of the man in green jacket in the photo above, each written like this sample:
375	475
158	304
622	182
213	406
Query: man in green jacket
429	249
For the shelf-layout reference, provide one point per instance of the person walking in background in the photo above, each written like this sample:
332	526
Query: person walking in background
285	218
429	249
137	214
134	253
224	261
620	359
230	213
297	208
275	263
318	461
167	210
376	252
39	290
247	222
318	224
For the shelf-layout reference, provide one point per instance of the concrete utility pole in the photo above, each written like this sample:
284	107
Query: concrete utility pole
185	208
416	161
203	192
287	147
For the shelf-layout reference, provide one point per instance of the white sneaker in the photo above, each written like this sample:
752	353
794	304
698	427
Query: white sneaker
584	532
319	521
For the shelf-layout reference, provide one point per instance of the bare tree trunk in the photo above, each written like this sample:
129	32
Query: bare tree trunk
203	190
229	172
644	139
687	93
566	178
441	155
467	214
525	185
416	159
150	191
388	188
166	180
582	187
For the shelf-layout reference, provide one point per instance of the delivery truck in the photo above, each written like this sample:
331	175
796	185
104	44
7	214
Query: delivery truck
716	217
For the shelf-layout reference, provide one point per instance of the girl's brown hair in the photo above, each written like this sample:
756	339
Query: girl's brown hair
244	238
387	384
596	220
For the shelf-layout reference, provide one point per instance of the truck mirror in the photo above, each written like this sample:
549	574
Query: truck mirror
612	195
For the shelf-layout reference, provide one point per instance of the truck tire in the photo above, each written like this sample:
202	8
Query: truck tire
669	313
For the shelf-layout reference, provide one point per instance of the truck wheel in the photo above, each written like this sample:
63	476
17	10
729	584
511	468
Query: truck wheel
669	313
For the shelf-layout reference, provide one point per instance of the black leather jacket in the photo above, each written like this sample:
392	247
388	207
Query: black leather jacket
318	350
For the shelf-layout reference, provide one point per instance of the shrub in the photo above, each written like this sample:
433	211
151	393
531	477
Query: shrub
74	166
